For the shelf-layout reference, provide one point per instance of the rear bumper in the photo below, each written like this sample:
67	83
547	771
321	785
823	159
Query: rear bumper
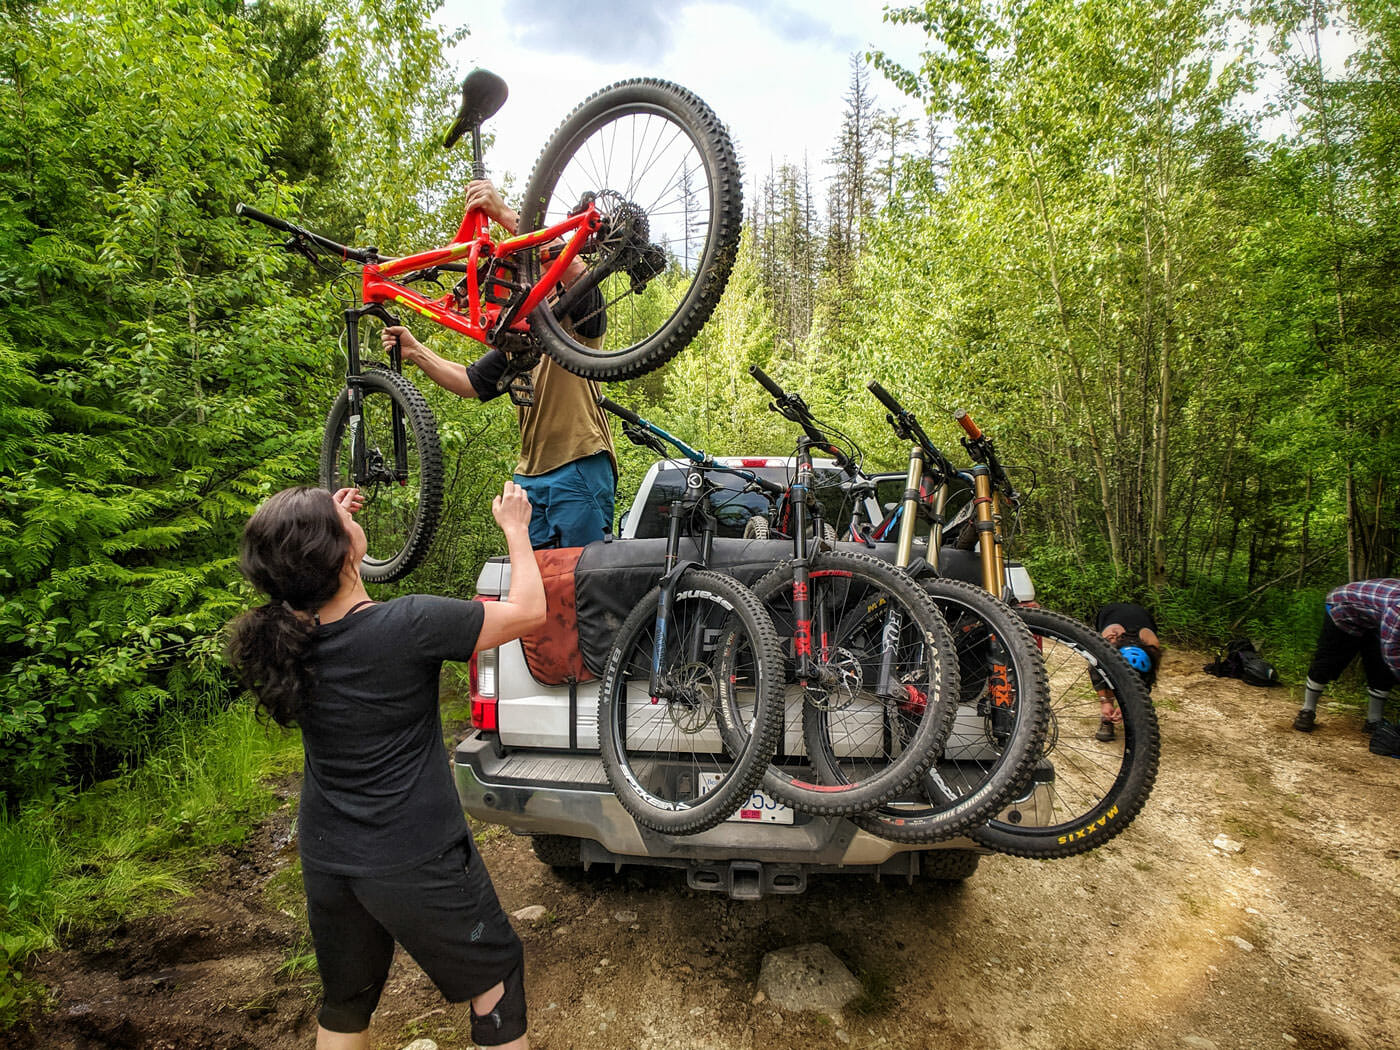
567	793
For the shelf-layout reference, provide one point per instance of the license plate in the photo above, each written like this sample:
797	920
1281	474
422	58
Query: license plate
758	808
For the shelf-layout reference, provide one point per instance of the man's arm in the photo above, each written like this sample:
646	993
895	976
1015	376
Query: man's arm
447	374
484	195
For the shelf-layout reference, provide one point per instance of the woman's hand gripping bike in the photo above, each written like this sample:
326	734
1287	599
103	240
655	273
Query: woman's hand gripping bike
630	224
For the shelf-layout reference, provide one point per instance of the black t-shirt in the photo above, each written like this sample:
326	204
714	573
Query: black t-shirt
378	796
1134	618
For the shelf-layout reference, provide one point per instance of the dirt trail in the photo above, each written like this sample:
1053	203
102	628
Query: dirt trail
1157	940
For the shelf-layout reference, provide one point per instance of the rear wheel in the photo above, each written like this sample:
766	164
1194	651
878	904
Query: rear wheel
391	454
661	168
1098	786
885	686
681	757
997	734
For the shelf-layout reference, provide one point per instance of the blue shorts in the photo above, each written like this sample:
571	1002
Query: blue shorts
573	505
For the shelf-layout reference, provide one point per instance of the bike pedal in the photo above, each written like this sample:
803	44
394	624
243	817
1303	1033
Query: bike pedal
522	390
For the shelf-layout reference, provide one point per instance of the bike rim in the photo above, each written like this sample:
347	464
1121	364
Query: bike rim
650	178
1088	773
674	747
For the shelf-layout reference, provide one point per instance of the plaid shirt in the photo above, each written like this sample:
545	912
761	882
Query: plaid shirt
1371	605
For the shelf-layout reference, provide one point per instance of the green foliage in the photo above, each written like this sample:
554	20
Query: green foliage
159	375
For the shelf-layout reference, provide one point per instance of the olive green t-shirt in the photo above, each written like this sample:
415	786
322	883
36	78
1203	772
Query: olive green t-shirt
565	422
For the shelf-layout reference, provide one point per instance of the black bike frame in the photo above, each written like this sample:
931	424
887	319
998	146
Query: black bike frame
695	497
808	666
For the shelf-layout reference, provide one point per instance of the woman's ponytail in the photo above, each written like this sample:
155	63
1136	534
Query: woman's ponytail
293	549
268	648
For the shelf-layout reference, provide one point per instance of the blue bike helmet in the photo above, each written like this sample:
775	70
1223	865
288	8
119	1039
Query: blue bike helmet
1137	658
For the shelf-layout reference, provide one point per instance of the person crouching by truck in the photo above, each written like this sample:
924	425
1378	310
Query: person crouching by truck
1130	629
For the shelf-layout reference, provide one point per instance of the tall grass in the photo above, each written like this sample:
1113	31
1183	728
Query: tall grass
133	843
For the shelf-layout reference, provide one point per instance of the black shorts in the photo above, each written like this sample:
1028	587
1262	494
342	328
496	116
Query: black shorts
445	914
1337	648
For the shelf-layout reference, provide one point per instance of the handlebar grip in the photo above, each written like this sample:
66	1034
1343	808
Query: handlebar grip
617	410
765	382
885	397
247	211
965	421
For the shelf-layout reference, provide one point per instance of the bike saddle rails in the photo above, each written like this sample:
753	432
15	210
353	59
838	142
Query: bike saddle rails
483	93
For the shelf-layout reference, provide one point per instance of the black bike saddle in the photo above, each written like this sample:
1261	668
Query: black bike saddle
483	93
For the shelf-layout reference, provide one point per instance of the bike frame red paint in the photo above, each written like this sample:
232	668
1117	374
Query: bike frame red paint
474	244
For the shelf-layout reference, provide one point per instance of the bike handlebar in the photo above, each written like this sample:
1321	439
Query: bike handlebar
906	427
885	397
982	449
965	421
247	211
360	255
697	457
619	411
791	406
766	382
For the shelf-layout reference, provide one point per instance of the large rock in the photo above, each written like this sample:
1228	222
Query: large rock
807	977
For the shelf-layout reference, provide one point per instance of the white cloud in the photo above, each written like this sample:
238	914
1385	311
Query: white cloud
775	71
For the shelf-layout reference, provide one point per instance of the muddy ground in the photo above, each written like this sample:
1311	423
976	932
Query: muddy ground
1156	940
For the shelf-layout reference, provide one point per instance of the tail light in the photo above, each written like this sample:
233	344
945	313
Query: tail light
482	678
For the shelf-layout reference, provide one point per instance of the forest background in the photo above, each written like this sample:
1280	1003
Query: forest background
1182	332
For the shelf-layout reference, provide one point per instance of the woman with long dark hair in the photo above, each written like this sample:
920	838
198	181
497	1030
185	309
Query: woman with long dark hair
385	848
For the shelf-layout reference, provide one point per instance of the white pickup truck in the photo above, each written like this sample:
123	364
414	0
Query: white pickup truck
532	762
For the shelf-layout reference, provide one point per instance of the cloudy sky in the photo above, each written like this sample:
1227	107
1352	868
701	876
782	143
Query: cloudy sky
775	71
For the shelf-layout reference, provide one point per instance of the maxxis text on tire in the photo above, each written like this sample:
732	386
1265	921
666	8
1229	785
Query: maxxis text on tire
1099	788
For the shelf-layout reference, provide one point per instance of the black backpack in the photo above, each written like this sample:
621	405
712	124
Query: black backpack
1241	660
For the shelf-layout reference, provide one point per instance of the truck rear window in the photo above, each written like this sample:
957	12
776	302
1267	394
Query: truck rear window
733	506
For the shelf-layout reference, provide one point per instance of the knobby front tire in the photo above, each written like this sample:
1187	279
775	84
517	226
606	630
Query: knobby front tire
663	171
683	760
402	507
863	747
1098	787
999	728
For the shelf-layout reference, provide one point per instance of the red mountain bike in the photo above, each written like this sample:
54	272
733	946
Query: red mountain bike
636	197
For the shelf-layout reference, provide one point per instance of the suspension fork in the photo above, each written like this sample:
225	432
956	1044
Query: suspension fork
807	666
354	385
988	541
675	568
